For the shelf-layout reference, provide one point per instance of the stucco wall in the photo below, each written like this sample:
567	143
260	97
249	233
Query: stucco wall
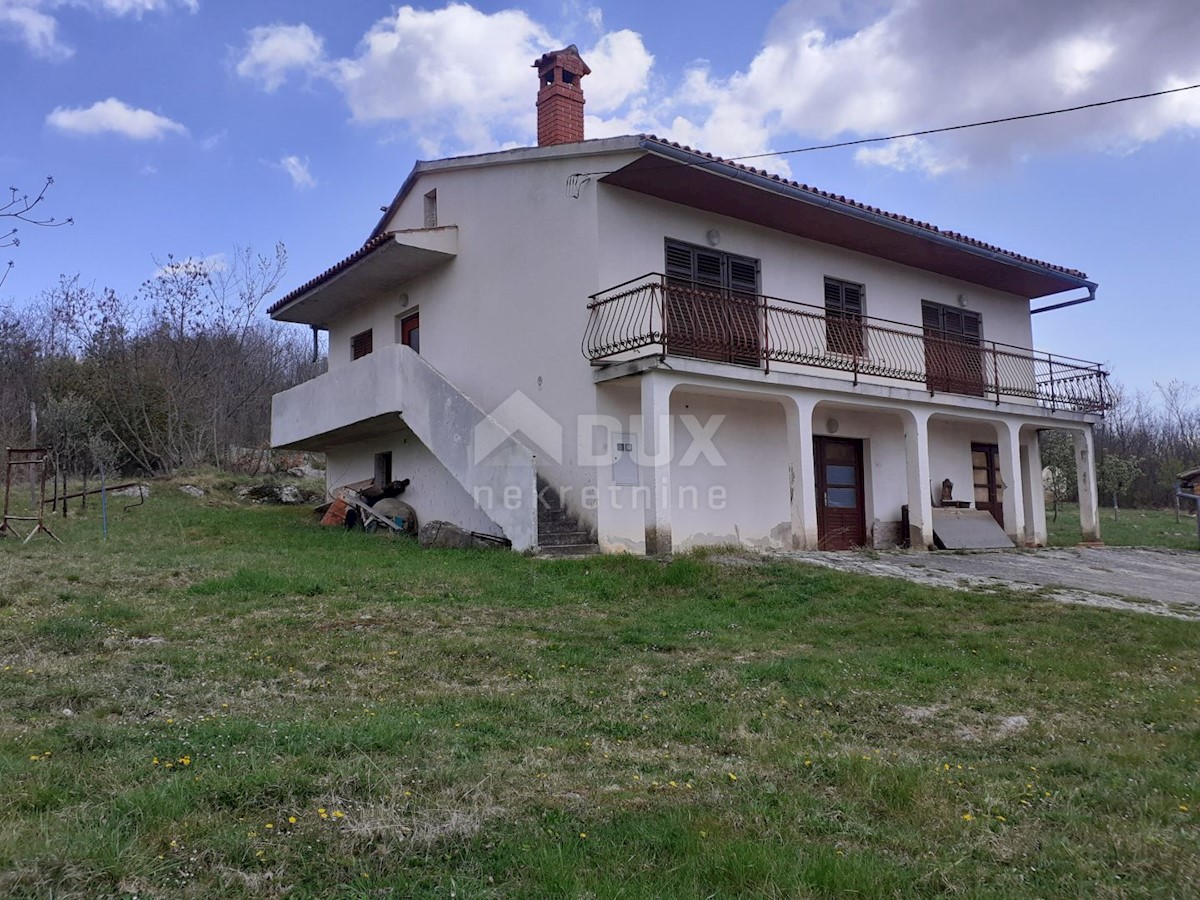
433	492
633	226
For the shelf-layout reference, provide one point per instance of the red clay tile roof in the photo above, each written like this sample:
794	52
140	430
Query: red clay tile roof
365	250
905	220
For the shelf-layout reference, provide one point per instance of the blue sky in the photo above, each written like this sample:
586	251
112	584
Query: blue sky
187	127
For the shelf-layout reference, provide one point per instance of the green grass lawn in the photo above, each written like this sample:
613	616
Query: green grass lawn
230	701
1127	527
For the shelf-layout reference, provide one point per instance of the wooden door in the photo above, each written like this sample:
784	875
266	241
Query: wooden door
841	512
985	466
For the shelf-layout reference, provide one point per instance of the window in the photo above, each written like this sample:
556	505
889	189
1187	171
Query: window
361	344
383	469
431	209
845	332
953	349
408	330
711	304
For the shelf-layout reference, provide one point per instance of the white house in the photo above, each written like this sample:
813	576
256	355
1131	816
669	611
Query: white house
630	343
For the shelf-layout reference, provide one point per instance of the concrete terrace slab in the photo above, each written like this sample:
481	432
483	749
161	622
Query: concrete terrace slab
1159	582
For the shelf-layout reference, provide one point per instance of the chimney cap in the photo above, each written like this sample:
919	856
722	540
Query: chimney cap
561	57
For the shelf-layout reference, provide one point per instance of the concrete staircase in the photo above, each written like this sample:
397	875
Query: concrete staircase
559	532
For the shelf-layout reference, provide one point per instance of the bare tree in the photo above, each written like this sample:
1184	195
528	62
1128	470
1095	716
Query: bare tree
20	207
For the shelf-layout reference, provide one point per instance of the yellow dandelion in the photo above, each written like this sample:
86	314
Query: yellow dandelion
967	817
291	820
583	834
732	777
269	826
1182	808
338	814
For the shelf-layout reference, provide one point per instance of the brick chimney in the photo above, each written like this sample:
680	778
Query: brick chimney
560	99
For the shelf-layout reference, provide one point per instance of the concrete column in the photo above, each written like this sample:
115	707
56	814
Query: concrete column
802	472
1009	441
920	501
657	450
1085	470
1035	490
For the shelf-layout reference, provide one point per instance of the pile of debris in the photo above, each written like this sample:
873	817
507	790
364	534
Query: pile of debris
378	508
372	506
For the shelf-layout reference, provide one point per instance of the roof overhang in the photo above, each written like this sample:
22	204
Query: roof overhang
382	264
681	175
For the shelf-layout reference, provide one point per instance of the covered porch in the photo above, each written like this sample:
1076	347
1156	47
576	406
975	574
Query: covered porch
794	464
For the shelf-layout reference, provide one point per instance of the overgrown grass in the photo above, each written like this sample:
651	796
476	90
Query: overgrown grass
231	701
1128	527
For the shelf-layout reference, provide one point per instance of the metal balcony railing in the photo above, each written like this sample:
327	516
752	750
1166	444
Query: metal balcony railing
674	318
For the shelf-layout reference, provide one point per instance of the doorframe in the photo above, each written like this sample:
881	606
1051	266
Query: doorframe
820	442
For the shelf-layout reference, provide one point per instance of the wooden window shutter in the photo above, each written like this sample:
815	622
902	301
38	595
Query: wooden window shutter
711	304
844	328
362	344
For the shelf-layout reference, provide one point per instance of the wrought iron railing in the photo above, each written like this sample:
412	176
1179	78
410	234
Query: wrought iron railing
686	319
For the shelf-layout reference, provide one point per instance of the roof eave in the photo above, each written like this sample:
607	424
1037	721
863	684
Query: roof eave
739	173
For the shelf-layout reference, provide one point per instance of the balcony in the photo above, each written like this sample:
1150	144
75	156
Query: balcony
674	319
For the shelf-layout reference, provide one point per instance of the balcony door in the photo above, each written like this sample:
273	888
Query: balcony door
953	349
710	307
841	506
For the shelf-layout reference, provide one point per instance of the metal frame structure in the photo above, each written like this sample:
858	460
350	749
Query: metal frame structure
34	457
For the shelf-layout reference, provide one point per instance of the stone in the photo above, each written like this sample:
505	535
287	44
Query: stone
270	492
399	512
446	536
306	471
134	491
191	490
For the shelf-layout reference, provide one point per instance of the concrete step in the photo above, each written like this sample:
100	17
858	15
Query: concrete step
561	538
558	526
570	550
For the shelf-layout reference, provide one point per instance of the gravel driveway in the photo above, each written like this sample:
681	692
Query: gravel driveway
1160	582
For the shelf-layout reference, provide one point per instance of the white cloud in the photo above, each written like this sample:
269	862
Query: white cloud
297	169
36	29
275	51
620	65
35	24
463	73
890	66
459	79
113	116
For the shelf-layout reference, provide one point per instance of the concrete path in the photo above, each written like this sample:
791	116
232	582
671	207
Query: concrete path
1160	582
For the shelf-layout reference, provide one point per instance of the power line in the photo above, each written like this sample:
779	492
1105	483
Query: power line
1000	121
922	133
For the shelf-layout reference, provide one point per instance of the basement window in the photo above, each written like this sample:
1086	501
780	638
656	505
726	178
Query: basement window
362	344
383	469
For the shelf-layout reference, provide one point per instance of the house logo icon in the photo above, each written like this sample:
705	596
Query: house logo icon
517	415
